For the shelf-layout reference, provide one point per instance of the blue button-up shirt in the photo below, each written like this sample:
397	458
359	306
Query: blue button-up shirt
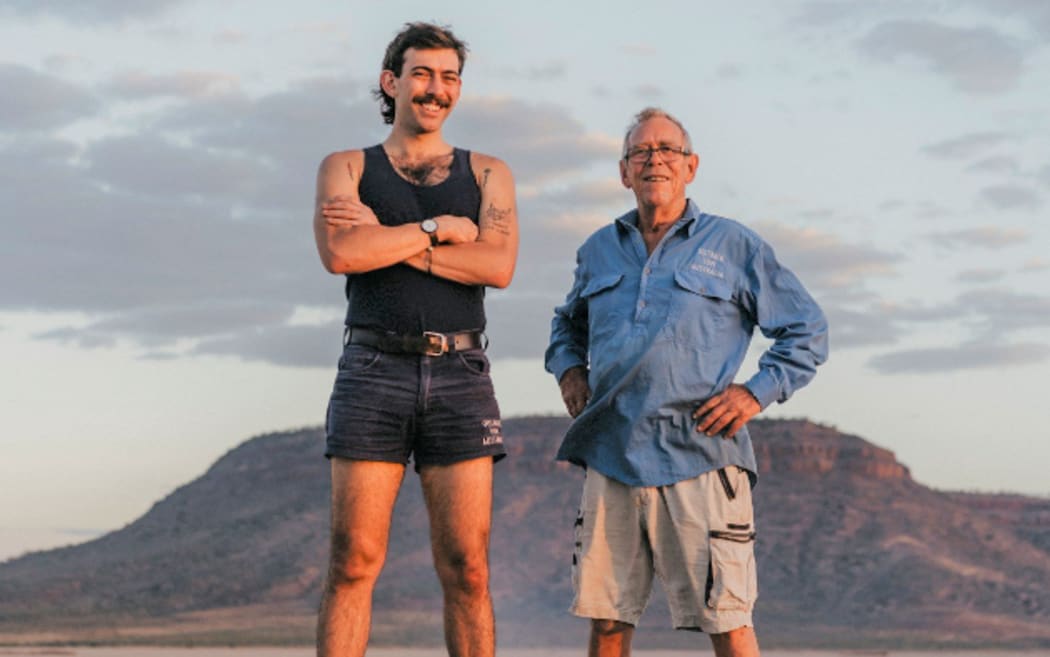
662	332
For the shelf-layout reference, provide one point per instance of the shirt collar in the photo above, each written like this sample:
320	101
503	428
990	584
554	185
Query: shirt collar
688	220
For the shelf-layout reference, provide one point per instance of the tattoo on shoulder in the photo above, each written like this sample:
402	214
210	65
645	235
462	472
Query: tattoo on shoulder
485	177
496	219
350	170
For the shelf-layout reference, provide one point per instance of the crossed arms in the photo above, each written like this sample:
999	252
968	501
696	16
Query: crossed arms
351	240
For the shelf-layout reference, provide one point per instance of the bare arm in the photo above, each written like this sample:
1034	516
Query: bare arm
489	260
350	238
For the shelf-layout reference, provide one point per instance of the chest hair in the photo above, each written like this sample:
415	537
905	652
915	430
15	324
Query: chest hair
423	171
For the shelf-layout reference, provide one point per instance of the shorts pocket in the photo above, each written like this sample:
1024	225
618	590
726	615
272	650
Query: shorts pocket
732	581
474	362
358	358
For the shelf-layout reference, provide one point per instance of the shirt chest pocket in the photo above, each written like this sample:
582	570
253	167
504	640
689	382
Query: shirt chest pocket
605	303
702	306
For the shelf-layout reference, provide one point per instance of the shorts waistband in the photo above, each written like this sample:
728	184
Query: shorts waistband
429	343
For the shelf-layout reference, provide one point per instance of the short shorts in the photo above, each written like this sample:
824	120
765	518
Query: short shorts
438	410
696	535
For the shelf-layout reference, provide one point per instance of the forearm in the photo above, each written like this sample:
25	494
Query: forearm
469	263
789	364
358	249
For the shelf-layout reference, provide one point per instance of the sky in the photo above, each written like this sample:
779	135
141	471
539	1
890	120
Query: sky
162	298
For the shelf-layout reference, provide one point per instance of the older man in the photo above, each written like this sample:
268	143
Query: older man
646	349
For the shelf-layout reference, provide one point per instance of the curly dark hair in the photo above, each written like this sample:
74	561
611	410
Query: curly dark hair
421	36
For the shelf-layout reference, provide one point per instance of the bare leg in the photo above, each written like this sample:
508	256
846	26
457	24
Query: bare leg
740	642
363	496
459	501
610	638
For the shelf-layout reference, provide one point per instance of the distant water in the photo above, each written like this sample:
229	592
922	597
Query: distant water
419	652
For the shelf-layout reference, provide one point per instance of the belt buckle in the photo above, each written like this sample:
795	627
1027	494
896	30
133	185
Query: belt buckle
436	344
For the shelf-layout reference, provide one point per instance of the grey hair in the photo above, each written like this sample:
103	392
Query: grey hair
653	113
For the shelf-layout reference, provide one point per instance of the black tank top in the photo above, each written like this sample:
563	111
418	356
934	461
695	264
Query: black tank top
399	298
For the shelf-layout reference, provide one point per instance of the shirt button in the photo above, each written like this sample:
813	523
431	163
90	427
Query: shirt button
641	304
648	270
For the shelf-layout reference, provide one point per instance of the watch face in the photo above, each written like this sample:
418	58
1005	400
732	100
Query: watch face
429	226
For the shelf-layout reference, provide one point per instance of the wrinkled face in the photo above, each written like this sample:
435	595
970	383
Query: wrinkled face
426	91
658	183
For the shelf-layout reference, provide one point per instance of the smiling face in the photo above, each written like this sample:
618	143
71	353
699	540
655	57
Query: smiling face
658	185
426	90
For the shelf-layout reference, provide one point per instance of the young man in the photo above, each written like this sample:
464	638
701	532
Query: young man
645	350
419	228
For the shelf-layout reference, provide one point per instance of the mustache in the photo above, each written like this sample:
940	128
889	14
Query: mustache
442	101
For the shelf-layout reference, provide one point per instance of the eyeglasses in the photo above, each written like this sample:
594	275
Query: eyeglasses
642	154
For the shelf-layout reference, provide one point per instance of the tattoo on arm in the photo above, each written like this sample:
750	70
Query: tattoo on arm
485	177
496	219
350	170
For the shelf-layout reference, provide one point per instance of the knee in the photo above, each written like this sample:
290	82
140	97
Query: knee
465	573
353	562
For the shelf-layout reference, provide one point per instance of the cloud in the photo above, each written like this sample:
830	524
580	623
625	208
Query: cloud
1043	175
834	13
1002	310
1035	264
36	101
1034	12
729	71
996	164
90	11
150	165
823	260
292	346
987	237
639	49
550	71
230	37
981	276
967	356
977	61
1011	197
922	209
852	328
587	194
967	146
541	142
990	311
164	324
648	90
138	85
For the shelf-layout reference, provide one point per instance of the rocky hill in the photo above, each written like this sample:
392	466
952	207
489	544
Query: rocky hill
852	552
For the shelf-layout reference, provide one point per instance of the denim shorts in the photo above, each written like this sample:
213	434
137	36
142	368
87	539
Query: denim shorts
389	407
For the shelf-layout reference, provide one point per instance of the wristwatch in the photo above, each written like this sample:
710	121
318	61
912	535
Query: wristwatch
430	227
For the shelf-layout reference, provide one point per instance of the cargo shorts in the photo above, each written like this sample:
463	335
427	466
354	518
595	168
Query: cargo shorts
696	535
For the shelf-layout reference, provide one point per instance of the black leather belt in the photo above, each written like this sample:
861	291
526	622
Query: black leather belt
428	344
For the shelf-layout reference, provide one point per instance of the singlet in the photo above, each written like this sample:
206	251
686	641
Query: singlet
399	298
